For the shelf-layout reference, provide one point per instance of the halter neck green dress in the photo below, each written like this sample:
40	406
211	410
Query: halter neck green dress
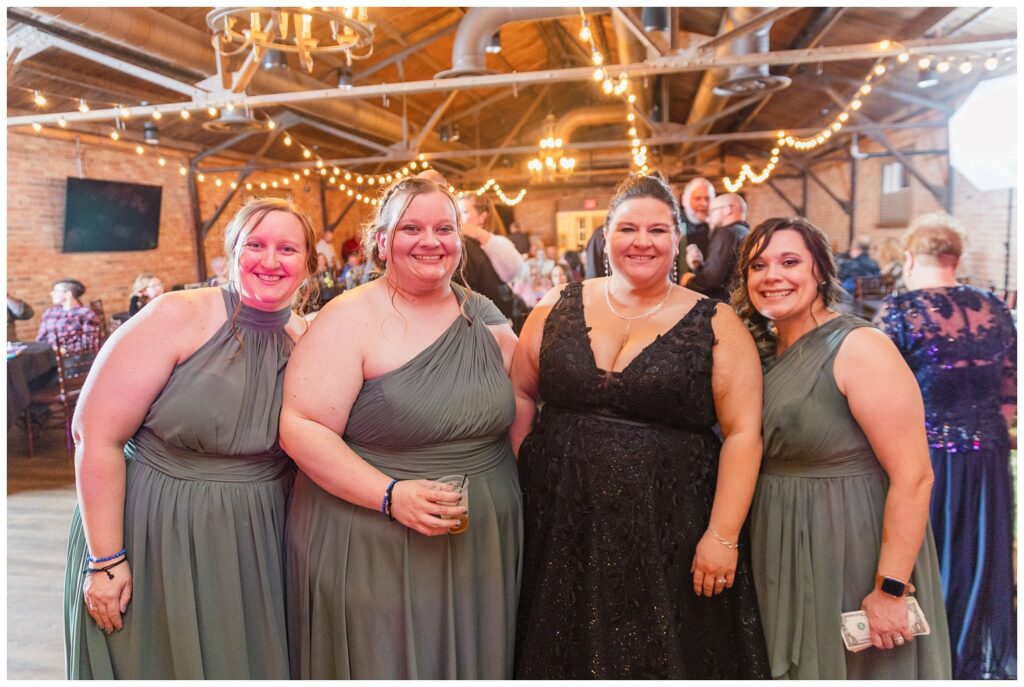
207	486
816	527
372	599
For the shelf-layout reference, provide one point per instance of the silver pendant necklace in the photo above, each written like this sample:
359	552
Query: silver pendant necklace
629	320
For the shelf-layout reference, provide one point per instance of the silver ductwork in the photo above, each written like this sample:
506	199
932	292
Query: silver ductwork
469	52
753	79
572	120
168	40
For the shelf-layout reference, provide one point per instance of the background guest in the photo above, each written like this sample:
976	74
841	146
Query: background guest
633	506
17	309
325	247
857	262
491	261
519	238
419	394
76	324
961	343
888	253
696	200
839	521
219	266
147	286
182	486
713	275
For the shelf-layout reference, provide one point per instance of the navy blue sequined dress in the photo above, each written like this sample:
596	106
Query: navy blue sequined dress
961	344
618	479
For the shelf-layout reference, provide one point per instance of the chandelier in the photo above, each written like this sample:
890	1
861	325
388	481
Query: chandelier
237	30
551	162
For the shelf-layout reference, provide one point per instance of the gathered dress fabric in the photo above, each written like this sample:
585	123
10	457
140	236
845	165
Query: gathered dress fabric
619	475
369	598
816	527
961	343
207	486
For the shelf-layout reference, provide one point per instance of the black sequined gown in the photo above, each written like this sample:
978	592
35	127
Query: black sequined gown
618	479
961	344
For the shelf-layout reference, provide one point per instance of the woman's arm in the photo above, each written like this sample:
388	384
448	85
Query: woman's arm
320	388
525	366
736	384
128	374
504	257
886	402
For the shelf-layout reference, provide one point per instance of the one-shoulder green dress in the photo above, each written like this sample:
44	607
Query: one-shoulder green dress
816	526
207	486
372	599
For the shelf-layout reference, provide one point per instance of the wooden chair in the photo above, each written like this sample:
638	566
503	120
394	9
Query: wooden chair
74	360
97	307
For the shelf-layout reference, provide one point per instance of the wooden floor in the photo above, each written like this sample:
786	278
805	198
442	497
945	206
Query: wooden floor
40	499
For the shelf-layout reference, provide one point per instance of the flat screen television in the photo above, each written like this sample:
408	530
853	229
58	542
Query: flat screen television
110	216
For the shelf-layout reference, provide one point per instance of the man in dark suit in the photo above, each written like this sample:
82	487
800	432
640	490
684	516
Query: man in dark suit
695	201
713	272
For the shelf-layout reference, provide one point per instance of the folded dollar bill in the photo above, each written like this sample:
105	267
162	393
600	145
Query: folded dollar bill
857	634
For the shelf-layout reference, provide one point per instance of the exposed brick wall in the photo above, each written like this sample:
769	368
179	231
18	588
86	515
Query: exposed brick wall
984	214
37	169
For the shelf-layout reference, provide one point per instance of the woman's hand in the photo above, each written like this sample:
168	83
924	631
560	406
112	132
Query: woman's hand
107	599
714	566
419	504
887	619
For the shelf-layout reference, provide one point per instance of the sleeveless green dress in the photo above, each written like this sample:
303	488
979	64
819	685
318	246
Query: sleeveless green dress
372	599
816	523
207	487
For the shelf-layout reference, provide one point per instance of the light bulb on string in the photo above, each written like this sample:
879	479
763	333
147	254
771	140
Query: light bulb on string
37	127
212	111
162	162
157	115
82	105
942	67
39	99
62	123
991	63
966	67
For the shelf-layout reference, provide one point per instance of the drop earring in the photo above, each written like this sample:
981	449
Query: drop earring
607	266
675	270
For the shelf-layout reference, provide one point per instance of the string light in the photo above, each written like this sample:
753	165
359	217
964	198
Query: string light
82	105
39	99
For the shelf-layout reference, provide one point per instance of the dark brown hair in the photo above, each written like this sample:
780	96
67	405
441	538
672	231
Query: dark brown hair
753	245
644	186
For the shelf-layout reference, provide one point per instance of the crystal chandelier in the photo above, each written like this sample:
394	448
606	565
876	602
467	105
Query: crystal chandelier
237	30
551	162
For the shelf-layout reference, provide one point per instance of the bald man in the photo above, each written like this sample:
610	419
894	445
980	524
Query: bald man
713	275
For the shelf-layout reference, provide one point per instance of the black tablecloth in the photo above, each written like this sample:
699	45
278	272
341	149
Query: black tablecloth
34	367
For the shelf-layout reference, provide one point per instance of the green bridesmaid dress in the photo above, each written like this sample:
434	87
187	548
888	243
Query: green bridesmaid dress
816	527
207	487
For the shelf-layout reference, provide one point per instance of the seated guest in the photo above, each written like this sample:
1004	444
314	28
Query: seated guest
77	324
713	275
17	309
146	287
857	262
839	521
960	341
888	253
325	247
219	265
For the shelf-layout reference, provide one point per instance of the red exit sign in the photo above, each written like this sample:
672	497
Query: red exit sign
590	203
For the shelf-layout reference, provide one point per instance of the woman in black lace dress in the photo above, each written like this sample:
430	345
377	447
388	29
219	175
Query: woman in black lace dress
960	341
636	564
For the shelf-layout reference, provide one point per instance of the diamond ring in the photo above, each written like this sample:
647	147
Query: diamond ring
898	640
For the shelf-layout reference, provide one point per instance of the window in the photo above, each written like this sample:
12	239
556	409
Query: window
894	202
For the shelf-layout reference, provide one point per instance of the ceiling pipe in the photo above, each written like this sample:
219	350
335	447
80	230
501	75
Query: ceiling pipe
469	52
631	51
156	35
572	120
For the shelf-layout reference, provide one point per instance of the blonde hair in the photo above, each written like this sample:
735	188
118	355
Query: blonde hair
393	204
493	222
141	282
248	218
889	250
937	235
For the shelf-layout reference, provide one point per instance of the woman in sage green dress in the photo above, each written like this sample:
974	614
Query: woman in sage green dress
399	382
175	562
839	521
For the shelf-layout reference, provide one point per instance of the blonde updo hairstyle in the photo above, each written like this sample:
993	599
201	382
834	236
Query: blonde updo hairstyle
393	204
248	218
141	282
937	237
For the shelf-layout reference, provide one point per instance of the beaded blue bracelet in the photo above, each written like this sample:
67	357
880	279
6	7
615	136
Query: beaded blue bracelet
89	557
385	504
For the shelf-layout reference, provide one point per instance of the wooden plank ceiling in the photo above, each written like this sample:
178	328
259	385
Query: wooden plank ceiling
484	117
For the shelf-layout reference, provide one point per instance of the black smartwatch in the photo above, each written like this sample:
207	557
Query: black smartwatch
892	586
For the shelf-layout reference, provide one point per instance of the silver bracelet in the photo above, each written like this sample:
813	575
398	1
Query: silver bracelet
722	540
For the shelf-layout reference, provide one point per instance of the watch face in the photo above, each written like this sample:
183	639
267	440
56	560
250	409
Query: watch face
892	586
